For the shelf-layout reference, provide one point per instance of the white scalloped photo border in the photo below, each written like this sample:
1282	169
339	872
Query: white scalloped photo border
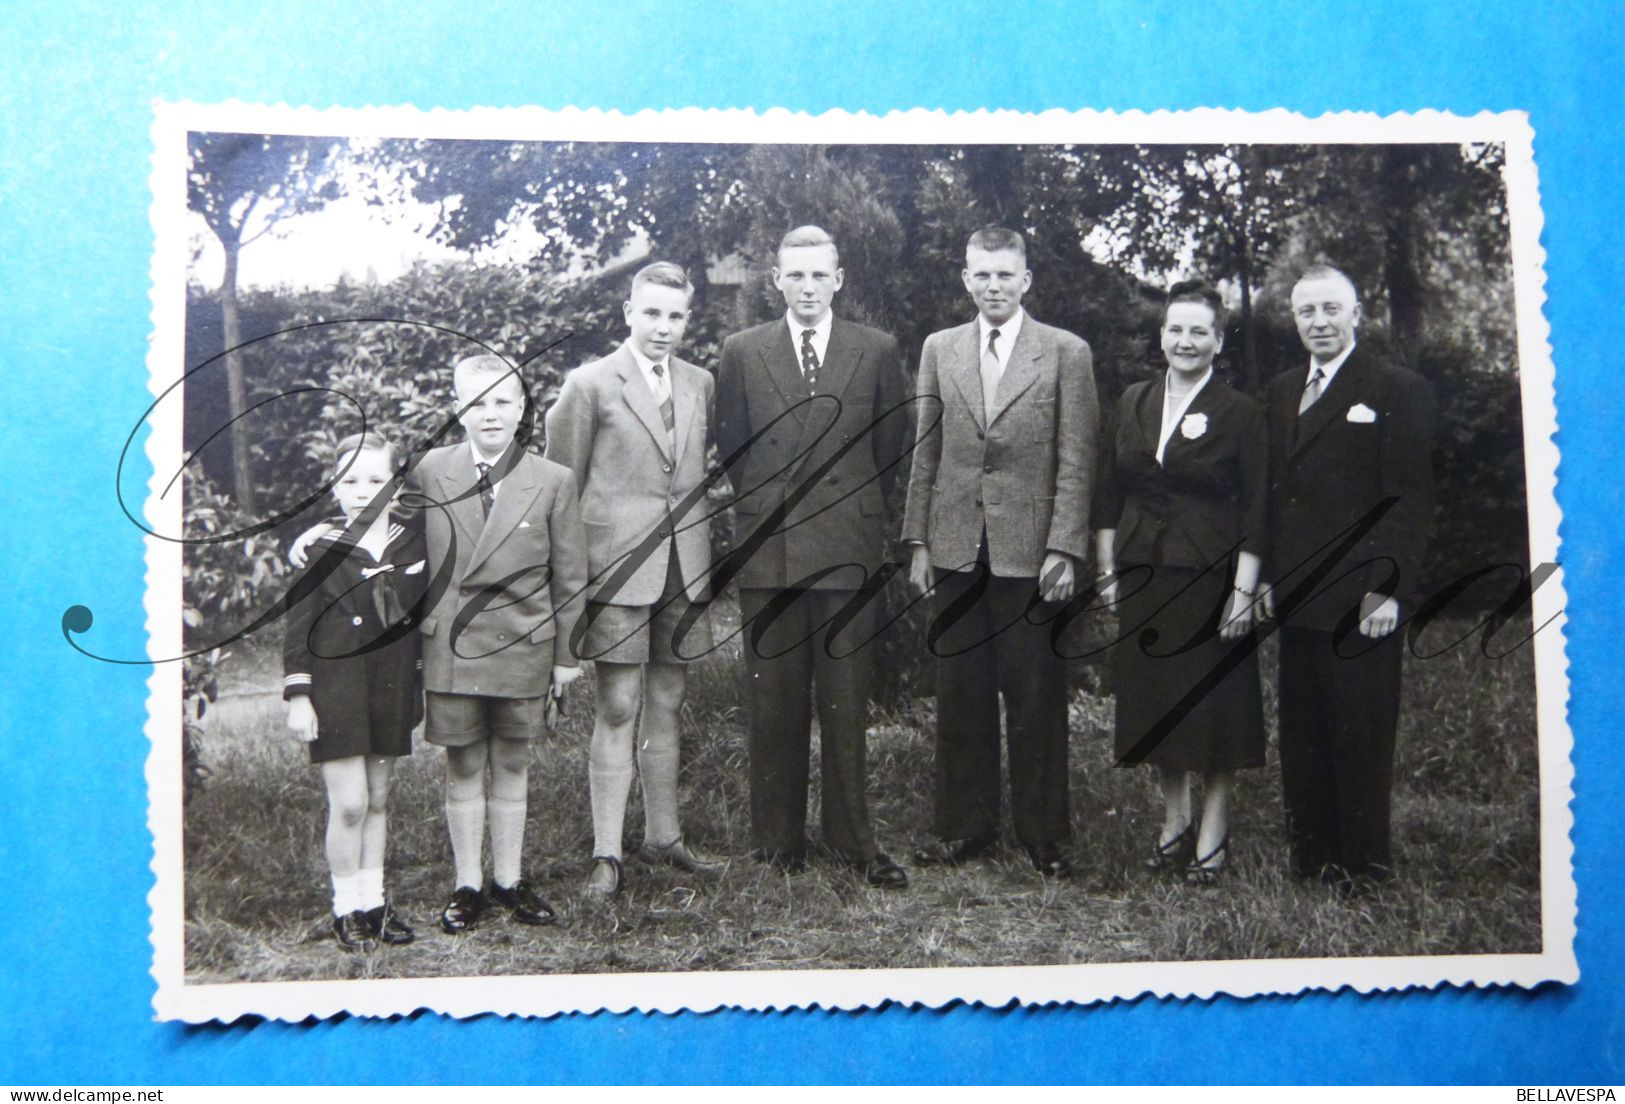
175	999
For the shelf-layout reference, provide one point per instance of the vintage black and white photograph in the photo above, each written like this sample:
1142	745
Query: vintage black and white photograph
708	558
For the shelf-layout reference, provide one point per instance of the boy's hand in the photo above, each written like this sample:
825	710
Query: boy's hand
297	555
919	568
562	677
302	718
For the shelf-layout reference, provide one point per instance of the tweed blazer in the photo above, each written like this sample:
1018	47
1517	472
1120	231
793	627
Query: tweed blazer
1366	442
1209	496
518	581
1025	476
607	429
811	468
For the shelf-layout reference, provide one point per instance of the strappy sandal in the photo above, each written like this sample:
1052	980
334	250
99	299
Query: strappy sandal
1205	871
1175	853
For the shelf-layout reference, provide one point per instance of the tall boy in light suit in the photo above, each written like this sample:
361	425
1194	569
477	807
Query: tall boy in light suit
509	522
998	514
634	428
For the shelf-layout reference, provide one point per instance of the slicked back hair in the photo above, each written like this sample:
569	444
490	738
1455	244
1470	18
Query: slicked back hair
809	235
996	239
1197	291
1321	270
665	274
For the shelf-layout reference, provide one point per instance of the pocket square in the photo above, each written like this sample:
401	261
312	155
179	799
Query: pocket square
415	568
1360	412
524	525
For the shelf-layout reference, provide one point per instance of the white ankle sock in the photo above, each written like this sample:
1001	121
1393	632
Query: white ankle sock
370	884
346	893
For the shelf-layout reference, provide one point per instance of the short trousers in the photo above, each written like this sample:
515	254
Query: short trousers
654	633
462	720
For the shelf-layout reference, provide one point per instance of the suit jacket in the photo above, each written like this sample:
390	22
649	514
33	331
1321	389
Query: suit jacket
831	454
606	428
519	578
1026	474
1368	438
1208	497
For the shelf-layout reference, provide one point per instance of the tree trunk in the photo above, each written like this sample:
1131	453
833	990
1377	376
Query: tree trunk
1405	307
242	478
1249	339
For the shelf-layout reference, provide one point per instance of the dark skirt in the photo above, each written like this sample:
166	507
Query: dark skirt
1173	711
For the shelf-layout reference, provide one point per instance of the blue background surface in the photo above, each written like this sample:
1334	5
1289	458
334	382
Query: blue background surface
75	113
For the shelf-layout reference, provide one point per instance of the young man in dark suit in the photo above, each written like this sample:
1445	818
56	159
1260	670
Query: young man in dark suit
998	513
1351	484
812	423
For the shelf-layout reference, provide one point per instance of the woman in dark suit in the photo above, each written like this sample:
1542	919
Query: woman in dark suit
1180	519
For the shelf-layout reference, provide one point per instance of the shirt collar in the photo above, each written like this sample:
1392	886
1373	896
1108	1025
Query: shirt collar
1329	369
474	454
645	363
820	328
1007	331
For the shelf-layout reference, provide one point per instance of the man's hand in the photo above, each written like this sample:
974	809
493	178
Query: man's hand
1382	619
919	569
302	718
298	555
562	677
1056	577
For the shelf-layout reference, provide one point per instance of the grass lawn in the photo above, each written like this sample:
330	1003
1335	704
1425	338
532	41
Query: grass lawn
1465	825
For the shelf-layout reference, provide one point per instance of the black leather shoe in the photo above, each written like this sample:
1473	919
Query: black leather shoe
604	881
524	904
785	862
387	927
956	852
879	871
679	854
1048	860
352	931
462	913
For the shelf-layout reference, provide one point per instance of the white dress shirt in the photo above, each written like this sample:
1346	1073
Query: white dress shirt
820	337
660	385
1327	370
1007	337
1173	410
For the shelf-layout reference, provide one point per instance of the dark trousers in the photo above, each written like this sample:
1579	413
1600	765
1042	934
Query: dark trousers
791	661
988	644
1338	719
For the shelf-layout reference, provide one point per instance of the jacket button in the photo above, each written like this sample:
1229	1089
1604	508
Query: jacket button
980	436
666	468
978	502
502	636
987	469
355	620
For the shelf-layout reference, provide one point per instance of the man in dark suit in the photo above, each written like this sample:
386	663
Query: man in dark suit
998	513
1351	485
812	424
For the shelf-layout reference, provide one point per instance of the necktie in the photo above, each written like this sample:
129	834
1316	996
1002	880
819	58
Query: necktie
990	372
668	413
809	360
488	493
1312	391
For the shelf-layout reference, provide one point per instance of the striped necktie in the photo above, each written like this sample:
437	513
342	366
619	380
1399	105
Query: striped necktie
668	413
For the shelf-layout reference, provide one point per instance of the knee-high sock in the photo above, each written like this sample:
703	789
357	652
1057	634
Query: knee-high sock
611	783
465	822
657	768
507	819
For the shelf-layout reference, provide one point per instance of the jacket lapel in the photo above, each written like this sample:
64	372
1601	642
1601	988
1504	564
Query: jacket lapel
685	399
457	486
635	391
1207	402
1021	370
513	499
784	370
841	359
965	372
1333	402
